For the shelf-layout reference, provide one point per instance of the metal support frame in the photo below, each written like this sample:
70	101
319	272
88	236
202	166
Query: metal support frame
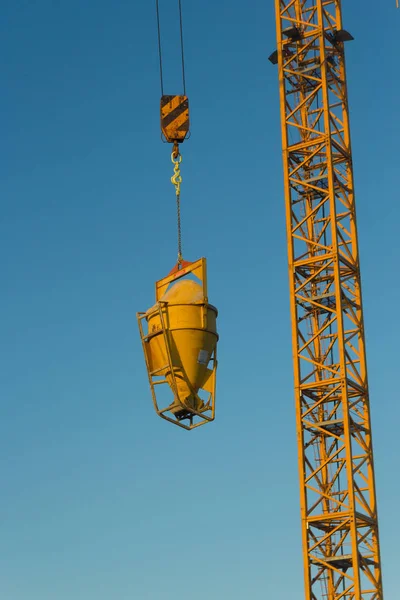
337	485
207	414
197	268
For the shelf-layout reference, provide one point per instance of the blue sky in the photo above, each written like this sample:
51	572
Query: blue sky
100	498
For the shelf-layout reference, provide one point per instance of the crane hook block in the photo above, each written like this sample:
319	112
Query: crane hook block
179	338
174	118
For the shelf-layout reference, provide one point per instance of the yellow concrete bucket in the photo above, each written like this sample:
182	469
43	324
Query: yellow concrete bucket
179	338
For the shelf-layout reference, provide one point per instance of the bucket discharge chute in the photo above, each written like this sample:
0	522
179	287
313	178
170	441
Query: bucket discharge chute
179	338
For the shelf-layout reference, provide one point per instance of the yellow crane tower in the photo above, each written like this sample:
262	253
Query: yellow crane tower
339	518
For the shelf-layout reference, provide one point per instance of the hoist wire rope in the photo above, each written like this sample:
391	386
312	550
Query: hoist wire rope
159	47
176	157
182	48
176	180
178	210
160	53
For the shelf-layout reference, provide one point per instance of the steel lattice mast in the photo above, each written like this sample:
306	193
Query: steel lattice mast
337	487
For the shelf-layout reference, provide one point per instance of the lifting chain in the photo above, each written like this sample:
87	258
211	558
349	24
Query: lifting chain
176	180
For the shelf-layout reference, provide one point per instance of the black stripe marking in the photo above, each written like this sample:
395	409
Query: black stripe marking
166	100
168	119
184	127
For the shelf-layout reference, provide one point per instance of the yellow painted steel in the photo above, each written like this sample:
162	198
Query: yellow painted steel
180	345
337	484
174	118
